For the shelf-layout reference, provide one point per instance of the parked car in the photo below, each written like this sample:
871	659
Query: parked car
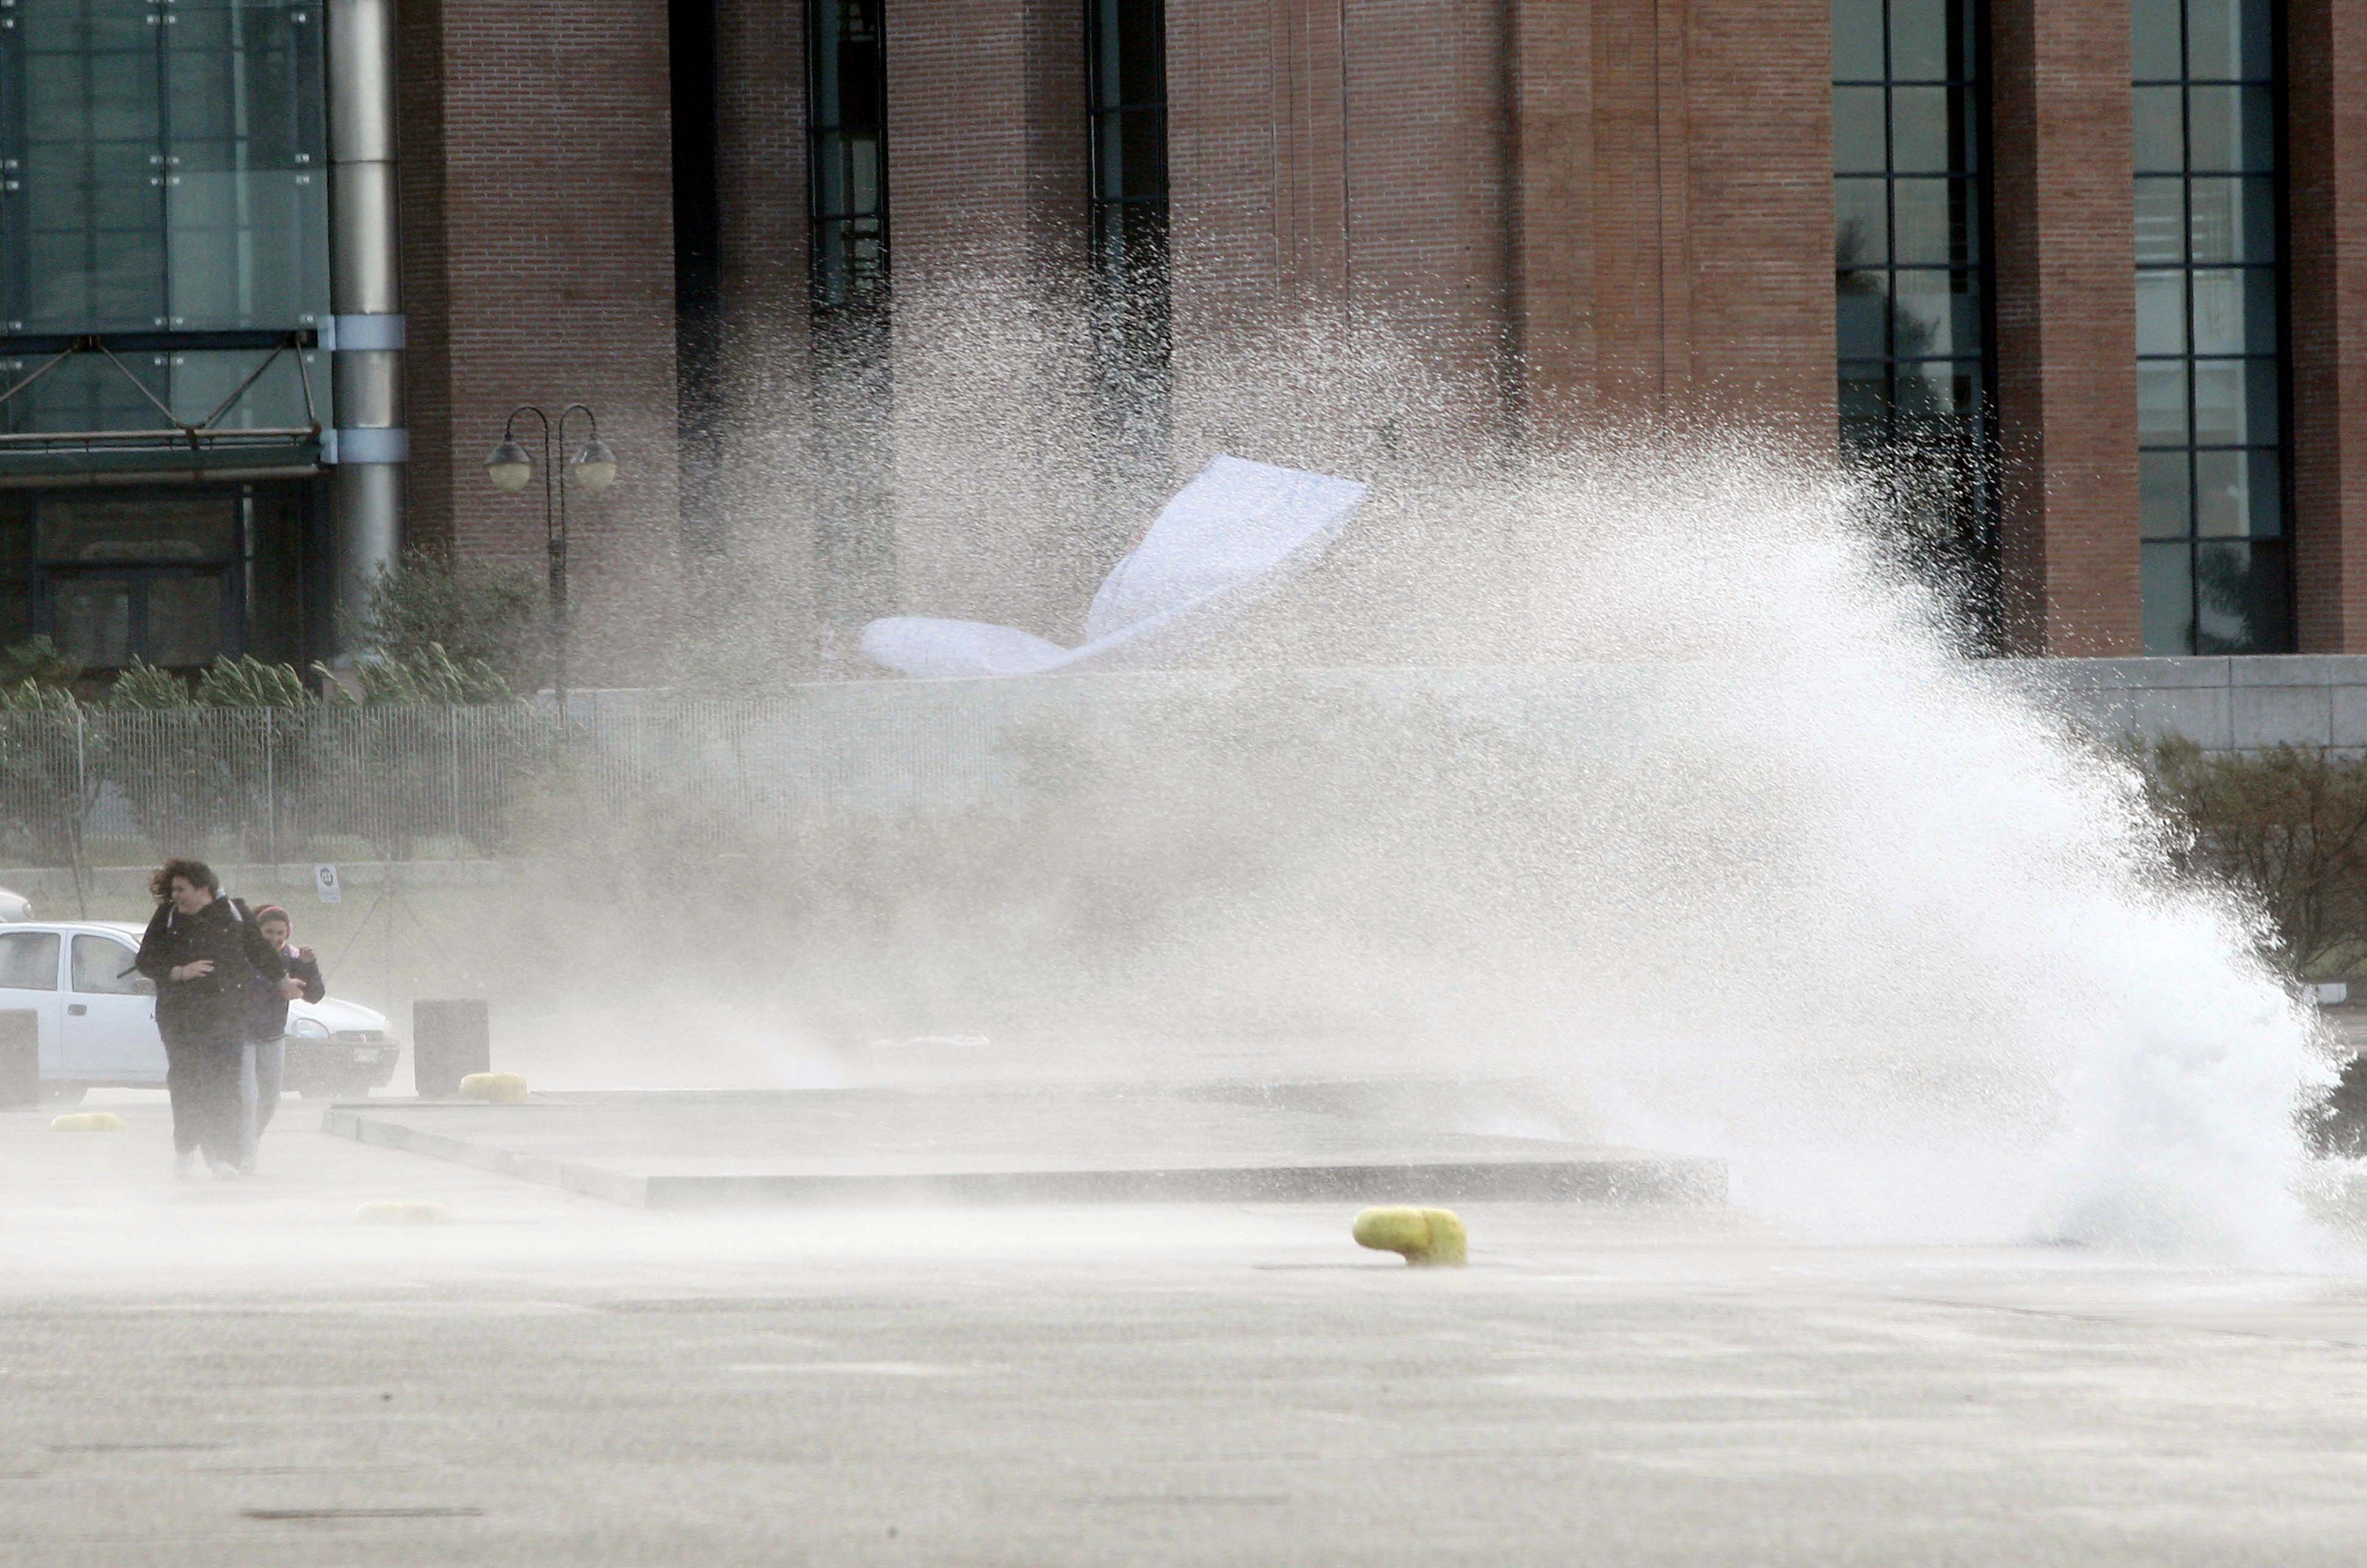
98	1017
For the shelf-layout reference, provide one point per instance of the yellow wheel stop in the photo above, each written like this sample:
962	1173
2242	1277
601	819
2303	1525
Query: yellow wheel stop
88	1122
501	1088
1425	1238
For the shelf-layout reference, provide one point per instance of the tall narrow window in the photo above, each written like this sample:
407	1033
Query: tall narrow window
1911	261
849	66
1127	206
2210	389
854	523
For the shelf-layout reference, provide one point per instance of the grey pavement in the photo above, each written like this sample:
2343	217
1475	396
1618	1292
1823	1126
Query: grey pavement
238	1375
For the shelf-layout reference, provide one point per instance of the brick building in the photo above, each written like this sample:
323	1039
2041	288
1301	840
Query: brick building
2103	261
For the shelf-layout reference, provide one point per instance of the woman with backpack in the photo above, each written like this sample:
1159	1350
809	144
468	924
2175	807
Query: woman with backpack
211	965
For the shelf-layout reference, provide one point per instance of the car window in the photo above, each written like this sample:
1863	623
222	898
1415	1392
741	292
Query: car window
29	961
99	965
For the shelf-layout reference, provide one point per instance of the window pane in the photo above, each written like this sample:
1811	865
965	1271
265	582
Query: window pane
102	967
1857	41
2160	140
2228	41
2237	494
1920	127
1858	147
2161	221
2241	598
2234	402
1863	316
185	620
2235	311
2166	573
2163	497
1934	229
2153	35
1860	223
2234	219
1936	315
2234	130
93	620
1920	40
2161	405
1865	393
29	961
2161	312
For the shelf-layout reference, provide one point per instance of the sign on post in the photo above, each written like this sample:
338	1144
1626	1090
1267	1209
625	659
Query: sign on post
324	877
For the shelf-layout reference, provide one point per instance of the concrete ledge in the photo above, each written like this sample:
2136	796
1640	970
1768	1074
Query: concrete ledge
723	1149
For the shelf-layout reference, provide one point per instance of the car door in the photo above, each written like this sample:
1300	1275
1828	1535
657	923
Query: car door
111	1012
28	980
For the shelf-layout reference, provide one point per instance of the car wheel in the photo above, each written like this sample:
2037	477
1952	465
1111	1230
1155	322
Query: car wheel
63	1093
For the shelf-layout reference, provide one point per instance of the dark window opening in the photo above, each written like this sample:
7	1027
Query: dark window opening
2212	465
1126	214
847	201
1911	275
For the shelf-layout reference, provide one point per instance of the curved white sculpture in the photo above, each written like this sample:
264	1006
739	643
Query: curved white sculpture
1236	532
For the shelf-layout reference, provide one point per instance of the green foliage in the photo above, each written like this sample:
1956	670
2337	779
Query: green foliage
426	608
2288	826
429	677
249	682
34	696
37	660
148	688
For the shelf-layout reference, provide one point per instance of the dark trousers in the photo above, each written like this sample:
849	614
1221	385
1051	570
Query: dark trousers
202	1074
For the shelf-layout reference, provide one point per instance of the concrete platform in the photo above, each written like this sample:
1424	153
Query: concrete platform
1340	1141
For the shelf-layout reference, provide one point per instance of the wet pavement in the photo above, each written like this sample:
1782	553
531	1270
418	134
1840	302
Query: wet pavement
238	1373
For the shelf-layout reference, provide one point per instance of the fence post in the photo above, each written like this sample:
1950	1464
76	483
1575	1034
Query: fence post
270	792
452	732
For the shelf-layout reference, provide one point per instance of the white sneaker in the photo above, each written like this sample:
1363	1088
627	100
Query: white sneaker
247	1165
222	1169
185	1163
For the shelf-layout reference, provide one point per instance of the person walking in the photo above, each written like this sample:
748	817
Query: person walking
268	1052
209	960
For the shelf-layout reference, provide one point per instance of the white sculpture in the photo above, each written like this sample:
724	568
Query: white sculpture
1236	532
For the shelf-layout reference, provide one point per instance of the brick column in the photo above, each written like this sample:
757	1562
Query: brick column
1550	273
2327	153
544	260
2066	325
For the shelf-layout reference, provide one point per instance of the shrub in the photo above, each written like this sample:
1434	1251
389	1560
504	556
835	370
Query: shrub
426	608
2288	826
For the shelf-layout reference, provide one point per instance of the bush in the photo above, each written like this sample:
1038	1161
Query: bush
2287	825
426	608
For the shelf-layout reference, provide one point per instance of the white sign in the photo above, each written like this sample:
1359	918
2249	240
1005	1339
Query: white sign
324	877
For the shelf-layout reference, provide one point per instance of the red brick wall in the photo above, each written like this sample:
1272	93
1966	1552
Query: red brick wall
2066	325
542	270
2327	157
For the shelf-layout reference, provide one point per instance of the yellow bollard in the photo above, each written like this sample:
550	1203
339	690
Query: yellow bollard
1426	1239
88	1122
386	1212
501	1088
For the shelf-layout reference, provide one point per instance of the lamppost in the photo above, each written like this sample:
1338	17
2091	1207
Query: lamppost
594	468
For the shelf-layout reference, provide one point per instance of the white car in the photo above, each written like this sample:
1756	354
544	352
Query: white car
98	1017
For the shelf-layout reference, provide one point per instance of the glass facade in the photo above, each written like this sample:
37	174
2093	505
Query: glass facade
1910	266
2217	569
163	178
163	262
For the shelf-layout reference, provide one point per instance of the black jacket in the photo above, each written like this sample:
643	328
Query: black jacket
272	1015
221	1003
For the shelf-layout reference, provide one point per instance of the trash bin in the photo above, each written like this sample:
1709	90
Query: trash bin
449	1039
20	1059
